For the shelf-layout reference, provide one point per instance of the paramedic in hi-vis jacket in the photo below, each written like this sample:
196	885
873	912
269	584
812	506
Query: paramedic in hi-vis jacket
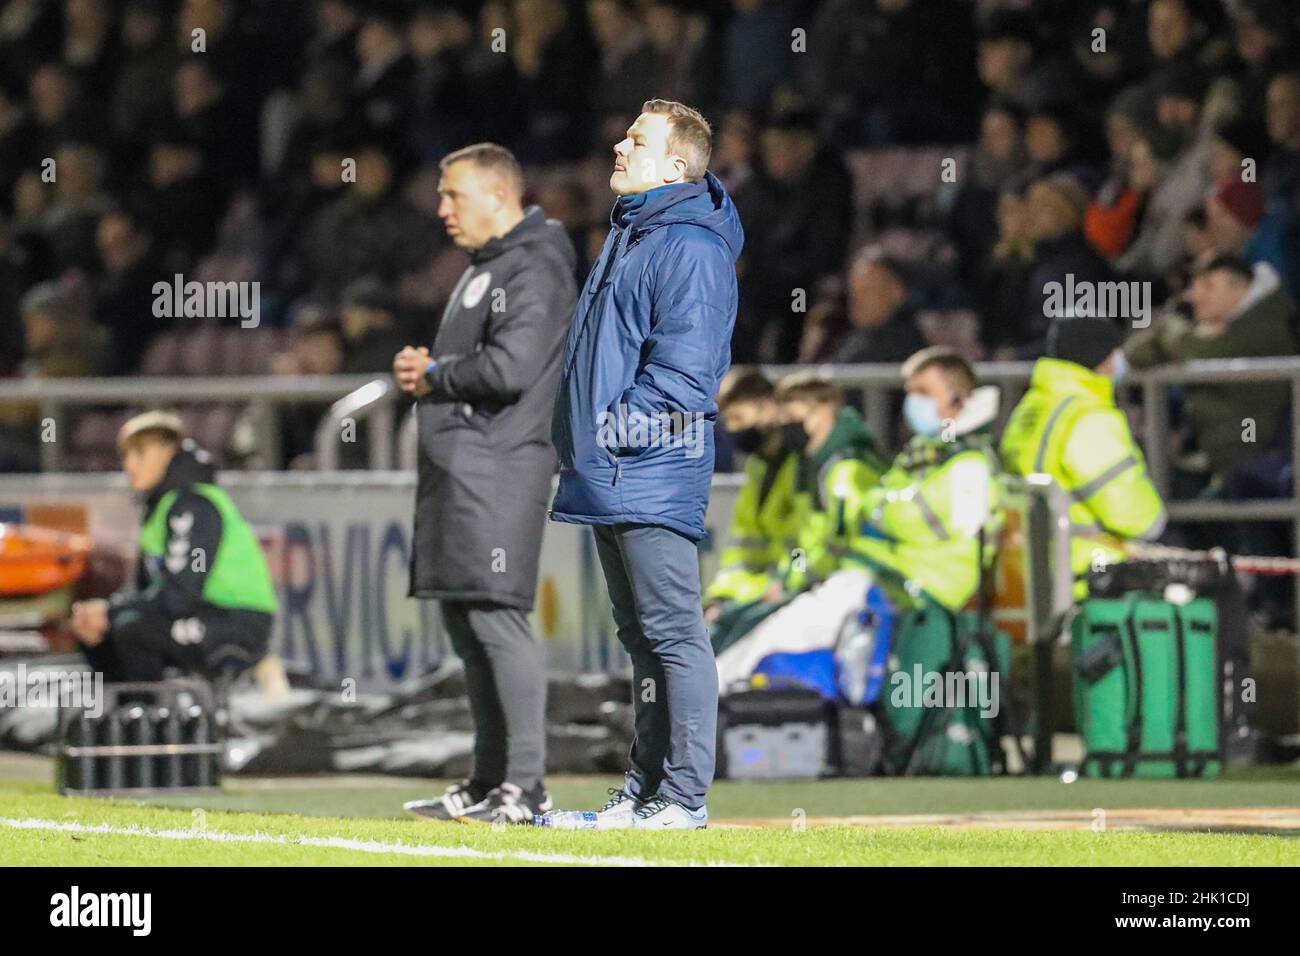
763	525
915	532
1068	426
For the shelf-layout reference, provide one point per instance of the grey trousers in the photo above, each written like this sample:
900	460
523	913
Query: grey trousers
505	677
653	577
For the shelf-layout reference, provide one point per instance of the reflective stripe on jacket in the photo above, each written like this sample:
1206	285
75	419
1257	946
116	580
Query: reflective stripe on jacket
1067	426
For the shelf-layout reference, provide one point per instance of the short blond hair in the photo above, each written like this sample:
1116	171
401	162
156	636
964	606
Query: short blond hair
689	136
809	387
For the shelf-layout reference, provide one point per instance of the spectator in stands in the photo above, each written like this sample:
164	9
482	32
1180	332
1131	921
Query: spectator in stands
1233	214
58	342
1116	208
1067	426
1264	38
381	95
29	35
370	327
369	230
123	302
999	158
1011	64
1004	275
1184	179
1238	311
1061	254
1174	33
1241	436
441	40
1051	143
141	87
882	319
182	201
736	156
79	201
626	57
860	70
59	112
756	52
337	22
89	45
1280	170
798	221
552	56
686	57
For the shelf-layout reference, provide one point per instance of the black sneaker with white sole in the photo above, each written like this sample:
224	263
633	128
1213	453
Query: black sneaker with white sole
458	798
509	804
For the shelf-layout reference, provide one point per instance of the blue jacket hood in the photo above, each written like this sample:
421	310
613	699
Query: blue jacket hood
705	203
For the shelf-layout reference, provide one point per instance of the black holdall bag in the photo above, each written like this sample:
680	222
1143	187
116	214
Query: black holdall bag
774	733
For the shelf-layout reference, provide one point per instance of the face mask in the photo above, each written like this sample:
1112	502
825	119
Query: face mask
794	436
749	440
1121	368
922	415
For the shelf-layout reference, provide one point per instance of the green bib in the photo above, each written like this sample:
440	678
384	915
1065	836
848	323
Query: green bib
239	576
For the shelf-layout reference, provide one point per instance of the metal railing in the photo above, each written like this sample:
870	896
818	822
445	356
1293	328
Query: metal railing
265	394
373	398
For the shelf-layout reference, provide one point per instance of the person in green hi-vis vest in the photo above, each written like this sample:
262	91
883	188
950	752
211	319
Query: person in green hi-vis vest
204	602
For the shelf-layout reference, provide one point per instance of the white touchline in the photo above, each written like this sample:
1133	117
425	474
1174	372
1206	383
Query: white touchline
341	843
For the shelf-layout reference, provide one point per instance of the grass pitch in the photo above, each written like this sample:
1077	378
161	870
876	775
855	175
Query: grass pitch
338	821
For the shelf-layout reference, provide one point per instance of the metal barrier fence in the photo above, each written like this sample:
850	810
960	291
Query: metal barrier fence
373	398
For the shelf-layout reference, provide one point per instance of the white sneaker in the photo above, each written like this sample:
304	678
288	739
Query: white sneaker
660	813
617	814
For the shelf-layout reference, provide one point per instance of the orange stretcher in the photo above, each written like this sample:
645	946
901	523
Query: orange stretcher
35	561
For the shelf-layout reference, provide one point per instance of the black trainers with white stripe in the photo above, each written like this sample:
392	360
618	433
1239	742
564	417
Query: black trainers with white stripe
509	804
458	798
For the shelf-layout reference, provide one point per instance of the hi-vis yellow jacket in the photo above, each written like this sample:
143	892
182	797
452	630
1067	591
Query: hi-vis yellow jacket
764	529
923	520
826	488
1067	426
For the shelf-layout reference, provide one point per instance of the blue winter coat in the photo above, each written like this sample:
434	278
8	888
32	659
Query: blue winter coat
648	347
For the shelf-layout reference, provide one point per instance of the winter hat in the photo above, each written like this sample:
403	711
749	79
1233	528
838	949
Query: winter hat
1244	201
1085	341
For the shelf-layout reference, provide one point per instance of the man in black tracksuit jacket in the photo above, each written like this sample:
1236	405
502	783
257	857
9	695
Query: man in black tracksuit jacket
485	391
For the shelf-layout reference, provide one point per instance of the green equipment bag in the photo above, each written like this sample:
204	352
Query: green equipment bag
1146	688
929	729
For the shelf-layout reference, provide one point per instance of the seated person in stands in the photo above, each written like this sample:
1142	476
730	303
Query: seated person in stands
834	451
763	527
914	532
204	602
1238	311
1068	426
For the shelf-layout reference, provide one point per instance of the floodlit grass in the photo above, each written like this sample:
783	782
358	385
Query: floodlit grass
209	837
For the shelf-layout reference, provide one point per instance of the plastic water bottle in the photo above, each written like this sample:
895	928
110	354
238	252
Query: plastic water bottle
853	654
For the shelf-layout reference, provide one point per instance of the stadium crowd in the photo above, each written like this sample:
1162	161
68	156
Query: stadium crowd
909	172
